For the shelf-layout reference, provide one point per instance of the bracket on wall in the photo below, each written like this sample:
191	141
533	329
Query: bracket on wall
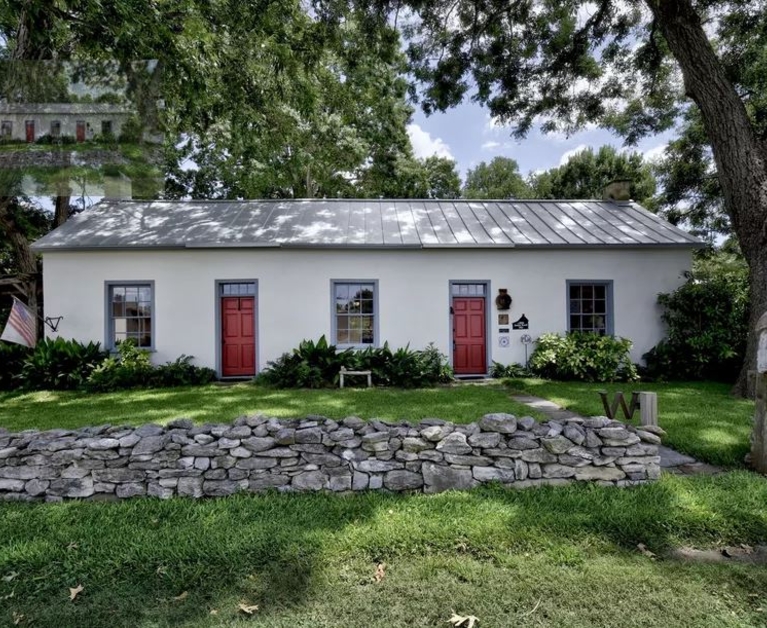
53	322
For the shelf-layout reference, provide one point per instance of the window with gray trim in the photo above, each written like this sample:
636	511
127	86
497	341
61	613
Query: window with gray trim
130	314
55	128
590	307
7	129
355	312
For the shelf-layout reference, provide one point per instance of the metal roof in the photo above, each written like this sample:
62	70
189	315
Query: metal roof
361	223
53	108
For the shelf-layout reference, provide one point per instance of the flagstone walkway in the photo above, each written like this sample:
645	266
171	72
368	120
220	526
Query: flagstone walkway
671	460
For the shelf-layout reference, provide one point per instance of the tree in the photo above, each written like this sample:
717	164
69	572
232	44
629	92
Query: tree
587	173
498	179
617	64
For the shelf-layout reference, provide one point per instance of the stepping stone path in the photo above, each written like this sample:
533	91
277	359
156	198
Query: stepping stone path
671	460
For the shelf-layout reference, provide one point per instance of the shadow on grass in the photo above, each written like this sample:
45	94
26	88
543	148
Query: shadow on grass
45	410
277	550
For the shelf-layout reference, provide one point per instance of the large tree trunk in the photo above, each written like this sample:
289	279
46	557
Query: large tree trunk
741	159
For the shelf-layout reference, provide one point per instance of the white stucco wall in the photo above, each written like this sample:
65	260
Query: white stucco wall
294	292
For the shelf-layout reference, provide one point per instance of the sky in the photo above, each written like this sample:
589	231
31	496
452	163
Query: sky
468	135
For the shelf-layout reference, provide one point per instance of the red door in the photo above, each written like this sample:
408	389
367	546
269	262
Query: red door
30	129
469	338
80	130
238	327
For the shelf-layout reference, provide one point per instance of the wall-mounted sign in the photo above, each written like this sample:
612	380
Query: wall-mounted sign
503	341
521	323
503	300
503	330
503	319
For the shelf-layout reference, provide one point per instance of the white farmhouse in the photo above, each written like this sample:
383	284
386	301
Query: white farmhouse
29	122
237	283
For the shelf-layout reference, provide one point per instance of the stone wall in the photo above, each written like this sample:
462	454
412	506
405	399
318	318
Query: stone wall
258	453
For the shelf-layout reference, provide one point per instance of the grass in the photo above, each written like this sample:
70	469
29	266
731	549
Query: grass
508	557
46	410
702	418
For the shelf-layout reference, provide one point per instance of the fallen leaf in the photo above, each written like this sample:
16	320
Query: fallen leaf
181	597
213	611
641	547
467	621
747	548
380	573
248	610
73	593
162	570
9	596
17	618
73	546
11	576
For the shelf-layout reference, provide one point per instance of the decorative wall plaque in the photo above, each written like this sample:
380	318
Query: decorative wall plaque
503	300
521	323
503	319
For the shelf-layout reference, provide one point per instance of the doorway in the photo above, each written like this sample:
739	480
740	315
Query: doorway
469	327
237	302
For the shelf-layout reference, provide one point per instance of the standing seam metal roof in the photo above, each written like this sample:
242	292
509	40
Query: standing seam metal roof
362	223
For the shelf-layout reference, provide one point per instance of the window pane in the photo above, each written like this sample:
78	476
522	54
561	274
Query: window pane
354	305
355	337
145	294
575	292
367	307
342	322
575	323
355	322
587	307
599	291
342	337
341	305
342	291
599	307
120	326
587	292
575	306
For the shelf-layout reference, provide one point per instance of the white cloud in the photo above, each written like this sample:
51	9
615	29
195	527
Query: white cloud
655	153
424	145
491	145
571	153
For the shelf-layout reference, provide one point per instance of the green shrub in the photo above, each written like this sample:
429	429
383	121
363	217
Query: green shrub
583	356
707	323
181	372
132	368
499	371
12	358
317	364
58	364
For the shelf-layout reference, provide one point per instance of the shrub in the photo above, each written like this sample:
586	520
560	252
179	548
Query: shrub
499	371
317	364
181	372
58	364
132	368
12	358
583	356
707	322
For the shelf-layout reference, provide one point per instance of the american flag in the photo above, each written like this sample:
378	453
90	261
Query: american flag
21	327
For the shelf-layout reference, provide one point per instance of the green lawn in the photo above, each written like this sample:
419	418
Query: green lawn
46	410
540	557
702	418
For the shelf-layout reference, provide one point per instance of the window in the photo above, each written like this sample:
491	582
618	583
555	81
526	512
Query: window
55	128
590	306
468	289
355	304
238	289
7	128
131	310
106	127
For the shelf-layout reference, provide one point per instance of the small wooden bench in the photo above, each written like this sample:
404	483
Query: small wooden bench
344	372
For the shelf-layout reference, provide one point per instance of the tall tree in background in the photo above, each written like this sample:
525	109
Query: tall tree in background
498	179
586	174
626	65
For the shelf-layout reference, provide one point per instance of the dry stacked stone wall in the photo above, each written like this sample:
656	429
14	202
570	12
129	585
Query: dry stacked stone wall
259	453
